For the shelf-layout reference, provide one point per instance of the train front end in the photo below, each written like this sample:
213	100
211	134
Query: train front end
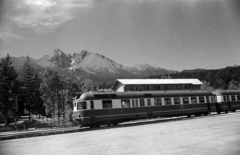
81	111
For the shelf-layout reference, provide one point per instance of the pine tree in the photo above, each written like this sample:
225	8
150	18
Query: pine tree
28	81
38	107
8	84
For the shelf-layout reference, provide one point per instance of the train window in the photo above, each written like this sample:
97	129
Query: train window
107	104
92	105
157	101
225	98
176	100
142	104
113	95
125	103
193	100
238	97
134	103
212	99
149	102
201	99
167	101
148	95
233	98
97	95
81	105
105	95
185	100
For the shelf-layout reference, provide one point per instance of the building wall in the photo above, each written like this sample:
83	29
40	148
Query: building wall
158	87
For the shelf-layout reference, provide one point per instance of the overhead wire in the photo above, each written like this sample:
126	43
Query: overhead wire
222	64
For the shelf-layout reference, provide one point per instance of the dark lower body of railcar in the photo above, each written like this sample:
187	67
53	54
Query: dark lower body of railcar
219	107
224	106
99	117
234	105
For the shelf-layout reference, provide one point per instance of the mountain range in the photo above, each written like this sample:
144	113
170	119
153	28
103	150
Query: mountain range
89	65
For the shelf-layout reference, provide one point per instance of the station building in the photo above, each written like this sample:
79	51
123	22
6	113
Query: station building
125	85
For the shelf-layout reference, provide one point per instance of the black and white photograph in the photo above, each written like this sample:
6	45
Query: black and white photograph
118	77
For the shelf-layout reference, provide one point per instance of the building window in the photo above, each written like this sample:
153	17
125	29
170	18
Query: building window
167	101
201	99
193	100
125	103
185	100
107	104
142	104
176	100
131	88
157	101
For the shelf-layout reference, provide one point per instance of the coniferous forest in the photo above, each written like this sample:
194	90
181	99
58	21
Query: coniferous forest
226	78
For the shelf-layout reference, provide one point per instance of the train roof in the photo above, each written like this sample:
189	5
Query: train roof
226	92
142	94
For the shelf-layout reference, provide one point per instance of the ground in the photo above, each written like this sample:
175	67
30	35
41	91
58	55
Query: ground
217	134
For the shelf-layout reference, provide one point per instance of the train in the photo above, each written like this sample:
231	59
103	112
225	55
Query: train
93	109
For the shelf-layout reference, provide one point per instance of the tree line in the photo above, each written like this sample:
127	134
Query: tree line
45	93
223	79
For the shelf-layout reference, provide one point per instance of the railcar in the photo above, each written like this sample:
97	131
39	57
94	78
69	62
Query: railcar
95	109
228	100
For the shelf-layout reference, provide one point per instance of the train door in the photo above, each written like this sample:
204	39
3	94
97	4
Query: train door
149	108
227	99
209	100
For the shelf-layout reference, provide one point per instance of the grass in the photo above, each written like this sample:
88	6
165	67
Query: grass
36	123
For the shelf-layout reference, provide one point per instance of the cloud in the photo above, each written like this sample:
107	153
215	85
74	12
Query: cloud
5	35
46	15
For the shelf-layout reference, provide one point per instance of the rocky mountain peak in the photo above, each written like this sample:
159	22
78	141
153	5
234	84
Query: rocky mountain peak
59	58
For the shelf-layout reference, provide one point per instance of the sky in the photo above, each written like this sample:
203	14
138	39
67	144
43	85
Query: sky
171	34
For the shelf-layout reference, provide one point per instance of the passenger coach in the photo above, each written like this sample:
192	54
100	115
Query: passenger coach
228	100
95	109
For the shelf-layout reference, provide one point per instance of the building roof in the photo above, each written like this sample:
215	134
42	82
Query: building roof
159	81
